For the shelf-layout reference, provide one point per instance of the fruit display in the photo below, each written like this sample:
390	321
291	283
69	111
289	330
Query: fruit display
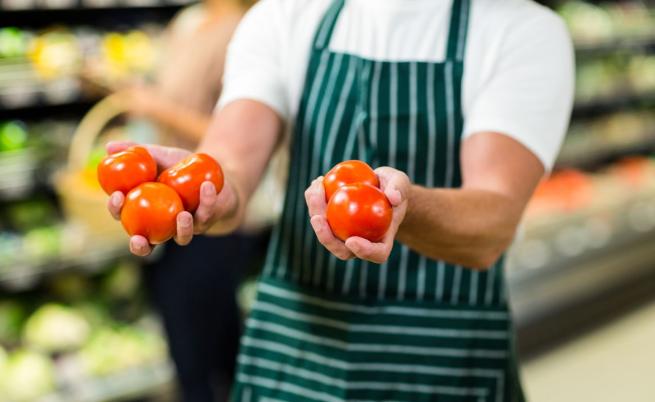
98	334
52	65
614	76
356	206
593	23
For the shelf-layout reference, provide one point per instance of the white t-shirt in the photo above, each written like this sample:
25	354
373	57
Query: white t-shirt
519	64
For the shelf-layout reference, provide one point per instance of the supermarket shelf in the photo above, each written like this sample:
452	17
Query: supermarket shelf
594	158
18	174
614	103
131	384
39	13
47	109
634	45
24	275
564	273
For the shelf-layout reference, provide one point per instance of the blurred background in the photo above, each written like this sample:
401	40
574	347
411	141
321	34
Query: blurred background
77	326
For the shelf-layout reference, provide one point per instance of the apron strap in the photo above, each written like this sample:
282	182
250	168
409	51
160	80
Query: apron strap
326	27
459	18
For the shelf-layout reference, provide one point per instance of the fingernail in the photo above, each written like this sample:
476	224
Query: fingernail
184	221
208	190
115	201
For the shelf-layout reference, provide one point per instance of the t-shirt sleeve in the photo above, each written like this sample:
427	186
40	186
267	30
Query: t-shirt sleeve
529	94
253	66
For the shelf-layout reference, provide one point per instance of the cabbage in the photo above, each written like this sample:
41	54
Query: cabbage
112	350
26	376
55	328
3	359
12	316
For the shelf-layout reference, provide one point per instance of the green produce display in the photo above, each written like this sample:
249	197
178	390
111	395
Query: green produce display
26	376
112	350
56	328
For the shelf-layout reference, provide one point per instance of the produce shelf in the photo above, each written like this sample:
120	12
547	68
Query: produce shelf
629	45
565	265
43	108
603	106
602	155
30	13
24	275
131	384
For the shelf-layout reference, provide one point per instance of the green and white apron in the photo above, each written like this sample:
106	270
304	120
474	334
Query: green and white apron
411	329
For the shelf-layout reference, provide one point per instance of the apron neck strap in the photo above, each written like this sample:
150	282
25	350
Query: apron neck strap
325	29
457	31
459	18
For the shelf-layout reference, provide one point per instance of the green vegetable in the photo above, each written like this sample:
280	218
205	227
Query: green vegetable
56	328
12	316
96	156
42	242
112	350
70	286
31	214
13	136
122	282
13	42
3	359
26	376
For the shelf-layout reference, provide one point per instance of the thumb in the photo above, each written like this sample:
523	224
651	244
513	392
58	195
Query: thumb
117	146
394	185
166	156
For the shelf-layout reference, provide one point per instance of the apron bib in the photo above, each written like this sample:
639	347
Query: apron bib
411	329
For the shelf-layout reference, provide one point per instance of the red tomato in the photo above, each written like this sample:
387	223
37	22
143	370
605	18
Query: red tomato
359	210
348	172
125	170
187	175
151	210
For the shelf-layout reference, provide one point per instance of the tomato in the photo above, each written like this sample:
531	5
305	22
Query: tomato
348	172
187	175
125	170
151	210
359	210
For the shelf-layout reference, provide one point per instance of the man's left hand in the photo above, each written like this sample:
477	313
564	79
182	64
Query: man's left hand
395	185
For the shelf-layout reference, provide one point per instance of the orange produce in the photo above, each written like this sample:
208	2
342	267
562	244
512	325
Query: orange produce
125	170
359	210
186	176
151	210
348	172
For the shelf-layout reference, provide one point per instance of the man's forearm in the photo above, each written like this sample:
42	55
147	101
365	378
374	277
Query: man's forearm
242	137
462	226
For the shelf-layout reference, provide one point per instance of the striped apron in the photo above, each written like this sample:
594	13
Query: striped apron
412	329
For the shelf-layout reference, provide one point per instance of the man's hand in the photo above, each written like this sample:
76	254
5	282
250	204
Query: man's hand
212	206
395	185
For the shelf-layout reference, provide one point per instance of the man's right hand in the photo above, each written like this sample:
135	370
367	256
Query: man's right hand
212	208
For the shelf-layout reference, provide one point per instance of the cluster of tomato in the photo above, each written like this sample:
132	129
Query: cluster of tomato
152	204
355	204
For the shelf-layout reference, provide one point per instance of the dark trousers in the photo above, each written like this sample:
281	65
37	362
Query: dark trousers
194	289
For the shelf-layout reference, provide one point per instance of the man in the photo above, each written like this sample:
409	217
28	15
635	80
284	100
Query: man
462	105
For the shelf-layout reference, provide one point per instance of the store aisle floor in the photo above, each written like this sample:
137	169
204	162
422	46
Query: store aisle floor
615	363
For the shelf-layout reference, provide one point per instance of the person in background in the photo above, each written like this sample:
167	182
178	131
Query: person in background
461	105
195	299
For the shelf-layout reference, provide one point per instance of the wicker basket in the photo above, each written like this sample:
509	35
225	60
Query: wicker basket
83	204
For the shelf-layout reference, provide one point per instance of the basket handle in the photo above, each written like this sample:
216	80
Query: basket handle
90	128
